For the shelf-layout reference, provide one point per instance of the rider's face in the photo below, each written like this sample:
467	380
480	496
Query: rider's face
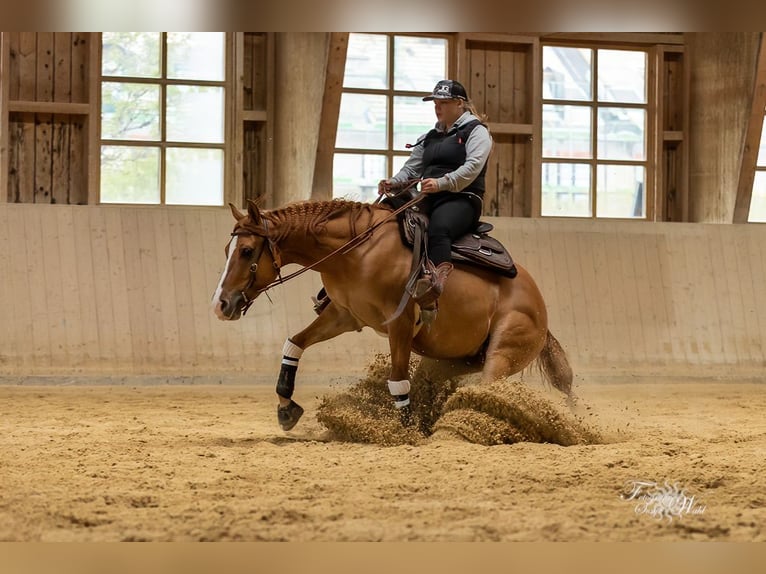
448	111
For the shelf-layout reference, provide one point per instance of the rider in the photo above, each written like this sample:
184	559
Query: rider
451	160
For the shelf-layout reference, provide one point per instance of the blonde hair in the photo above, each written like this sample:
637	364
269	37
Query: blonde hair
472	108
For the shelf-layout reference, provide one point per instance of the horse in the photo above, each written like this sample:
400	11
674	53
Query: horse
486	321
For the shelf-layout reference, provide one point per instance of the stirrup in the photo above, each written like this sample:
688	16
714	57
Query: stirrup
321	300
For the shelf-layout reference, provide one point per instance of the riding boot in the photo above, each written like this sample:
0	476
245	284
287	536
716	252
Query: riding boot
428	289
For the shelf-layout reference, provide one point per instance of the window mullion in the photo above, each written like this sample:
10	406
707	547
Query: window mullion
390	126
163	112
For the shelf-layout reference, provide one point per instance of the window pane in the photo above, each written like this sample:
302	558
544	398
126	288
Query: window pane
194	176
762	149
412	118
419	63
398	162
130	174
758	201
566	131
566	189
367	62
622	76
134	54
362	121
567	73
620	191
130	111
621	134
356	176
196	55
195	114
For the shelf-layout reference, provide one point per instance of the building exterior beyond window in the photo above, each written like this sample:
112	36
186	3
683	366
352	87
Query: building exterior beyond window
381	107
162	117
594	146
758	200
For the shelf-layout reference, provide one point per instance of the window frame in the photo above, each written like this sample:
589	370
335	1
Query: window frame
651	133
390	153
163	143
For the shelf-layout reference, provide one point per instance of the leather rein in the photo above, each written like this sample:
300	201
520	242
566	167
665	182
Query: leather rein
345	248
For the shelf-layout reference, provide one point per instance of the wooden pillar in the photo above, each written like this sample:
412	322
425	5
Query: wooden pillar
328	126
752	142
300	64
722	78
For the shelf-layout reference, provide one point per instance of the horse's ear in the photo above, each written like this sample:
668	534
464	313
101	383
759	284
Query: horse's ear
238	215
253	212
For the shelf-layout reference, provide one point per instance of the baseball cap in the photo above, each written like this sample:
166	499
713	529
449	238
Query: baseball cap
447	90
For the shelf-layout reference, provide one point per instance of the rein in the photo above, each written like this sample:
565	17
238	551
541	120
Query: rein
345	248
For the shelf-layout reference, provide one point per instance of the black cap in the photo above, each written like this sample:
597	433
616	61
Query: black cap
447	90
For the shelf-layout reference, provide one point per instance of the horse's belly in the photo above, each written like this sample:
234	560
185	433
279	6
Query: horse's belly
449	338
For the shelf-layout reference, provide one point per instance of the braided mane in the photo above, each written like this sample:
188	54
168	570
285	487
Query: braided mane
312	217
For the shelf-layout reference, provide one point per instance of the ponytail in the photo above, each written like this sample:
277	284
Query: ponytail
471	108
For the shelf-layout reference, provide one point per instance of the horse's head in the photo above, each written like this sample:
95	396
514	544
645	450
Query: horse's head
252	263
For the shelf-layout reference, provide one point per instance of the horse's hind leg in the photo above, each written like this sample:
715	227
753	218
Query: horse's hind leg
511	349
510	352
333	321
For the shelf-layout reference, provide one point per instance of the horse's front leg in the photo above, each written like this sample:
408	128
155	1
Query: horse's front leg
332	322
400	343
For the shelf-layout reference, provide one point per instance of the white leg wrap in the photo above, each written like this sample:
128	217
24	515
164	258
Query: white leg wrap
399	387
291	350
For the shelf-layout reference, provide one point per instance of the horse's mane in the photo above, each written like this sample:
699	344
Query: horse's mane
311	217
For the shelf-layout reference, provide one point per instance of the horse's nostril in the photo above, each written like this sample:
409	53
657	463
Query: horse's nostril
224	304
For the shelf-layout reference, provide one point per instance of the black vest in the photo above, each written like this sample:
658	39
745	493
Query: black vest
445	152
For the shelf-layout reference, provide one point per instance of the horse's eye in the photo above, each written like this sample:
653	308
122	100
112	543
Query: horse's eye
247	251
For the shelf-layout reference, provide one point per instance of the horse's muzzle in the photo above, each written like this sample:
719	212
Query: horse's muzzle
230	308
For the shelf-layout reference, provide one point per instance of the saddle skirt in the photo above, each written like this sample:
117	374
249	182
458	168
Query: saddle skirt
475	248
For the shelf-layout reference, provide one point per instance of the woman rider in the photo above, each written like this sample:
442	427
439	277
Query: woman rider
451	160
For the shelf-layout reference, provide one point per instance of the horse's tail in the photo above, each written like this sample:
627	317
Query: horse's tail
555	366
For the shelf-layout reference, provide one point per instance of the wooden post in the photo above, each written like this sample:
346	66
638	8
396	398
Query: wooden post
751	144
4	119
321	187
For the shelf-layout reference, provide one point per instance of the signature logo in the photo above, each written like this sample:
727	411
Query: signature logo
662	500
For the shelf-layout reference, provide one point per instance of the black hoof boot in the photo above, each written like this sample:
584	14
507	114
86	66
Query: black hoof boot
289	416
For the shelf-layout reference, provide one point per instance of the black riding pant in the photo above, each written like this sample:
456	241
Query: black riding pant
452	216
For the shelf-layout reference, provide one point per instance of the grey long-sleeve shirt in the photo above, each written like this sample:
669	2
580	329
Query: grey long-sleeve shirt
477	149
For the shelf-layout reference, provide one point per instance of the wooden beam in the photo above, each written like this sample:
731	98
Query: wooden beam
749	155
616	37
93	119
4	118
328	124
65	108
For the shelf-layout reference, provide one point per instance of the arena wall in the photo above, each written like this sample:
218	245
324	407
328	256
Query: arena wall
115	291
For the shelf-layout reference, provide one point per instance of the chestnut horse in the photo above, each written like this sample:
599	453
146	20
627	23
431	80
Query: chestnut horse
496	323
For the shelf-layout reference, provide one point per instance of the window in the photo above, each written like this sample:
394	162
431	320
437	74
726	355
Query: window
594	144
162	118
381	107
758	199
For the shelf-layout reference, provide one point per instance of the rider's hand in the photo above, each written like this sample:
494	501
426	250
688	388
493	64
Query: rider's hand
384	187
429	185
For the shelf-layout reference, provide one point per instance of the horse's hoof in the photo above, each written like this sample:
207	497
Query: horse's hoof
289	416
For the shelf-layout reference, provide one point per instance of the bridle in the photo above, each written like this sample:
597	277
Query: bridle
271	245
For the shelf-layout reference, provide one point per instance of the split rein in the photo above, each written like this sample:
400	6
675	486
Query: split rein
345	248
